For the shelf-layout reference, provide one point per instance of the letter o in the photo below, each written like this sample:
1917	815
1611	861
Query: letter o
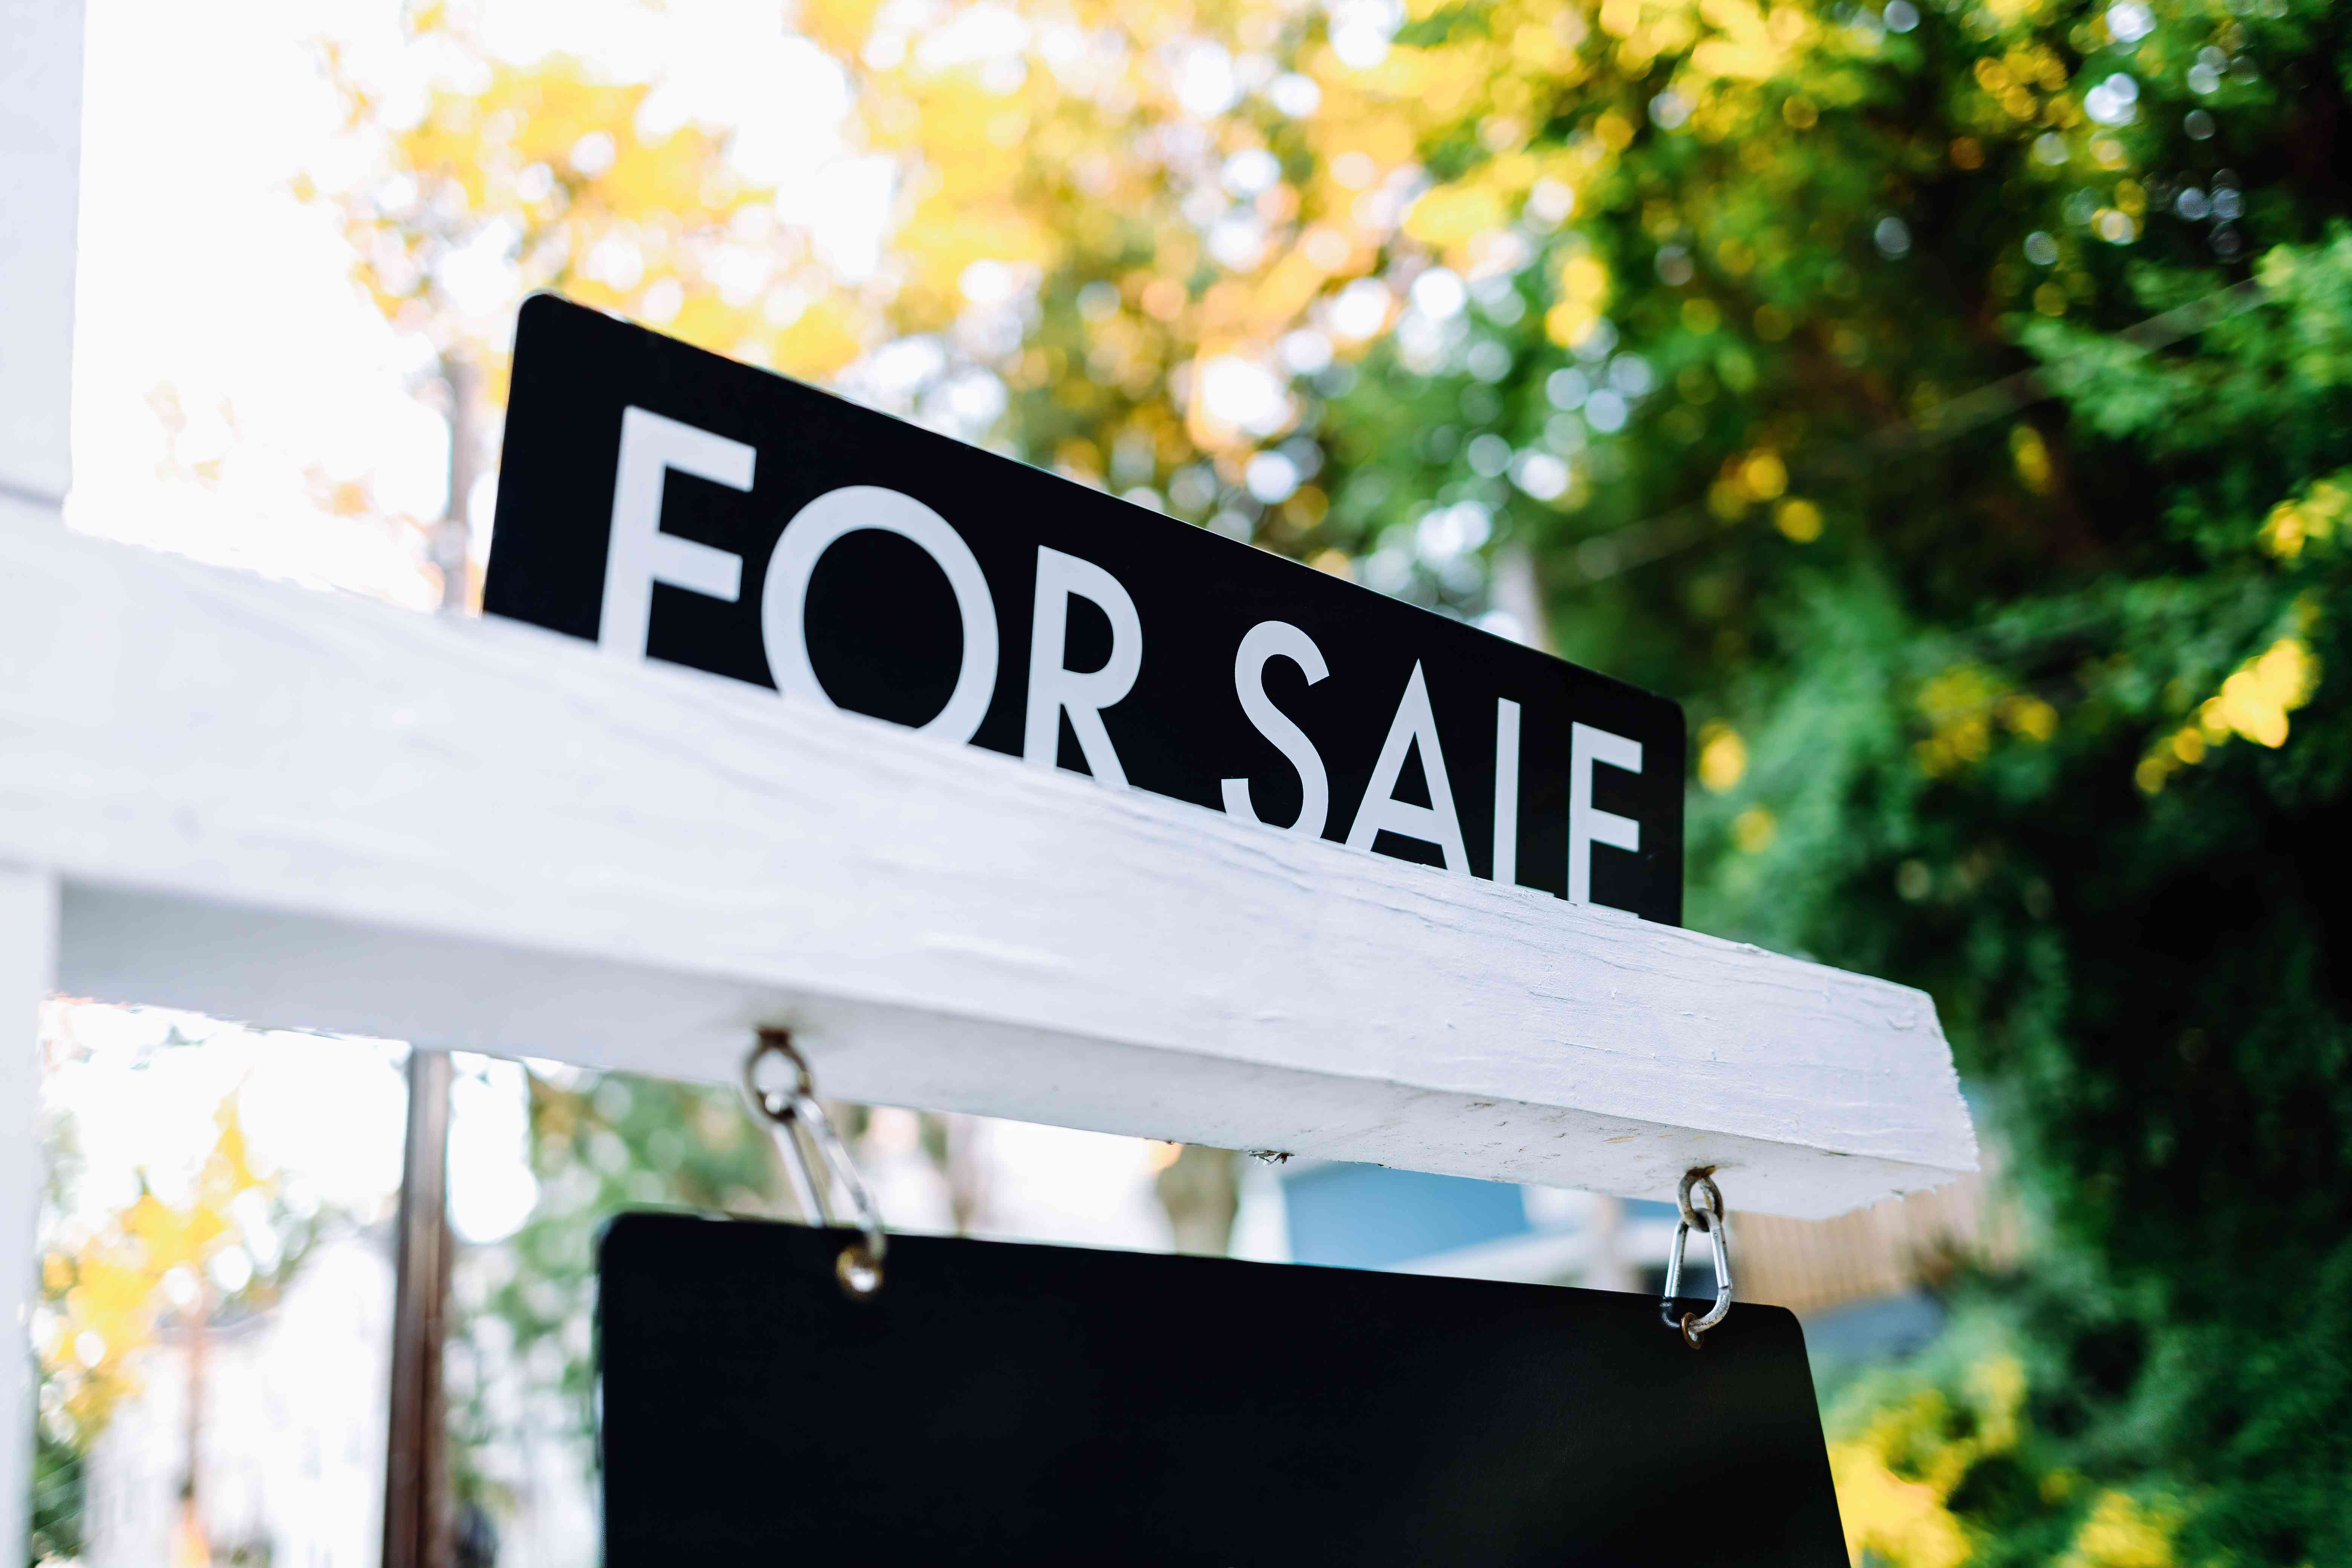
784	599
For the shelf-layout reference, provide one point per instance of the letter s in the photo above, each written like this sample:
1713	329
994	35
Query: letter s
1270	640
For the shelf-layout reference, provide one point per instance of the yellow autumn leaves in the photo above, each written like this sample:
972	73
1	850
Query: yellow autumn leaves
1209	182
2125	1531
1896	1475
1583	294
1722	763
1231	178
1761	476
1157	161
2254	702
1966	707
2311	519
2255	699
548	168
102	1292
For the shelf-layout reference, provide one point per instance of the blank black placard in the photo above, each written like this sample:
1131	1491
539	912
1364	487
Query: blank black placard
1003	1405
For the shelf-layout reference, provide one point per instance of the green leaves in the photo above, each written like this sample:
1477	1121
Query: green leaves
2038	693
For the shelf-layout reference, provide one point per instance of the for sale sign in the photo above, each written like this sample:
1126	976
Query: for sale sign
668	503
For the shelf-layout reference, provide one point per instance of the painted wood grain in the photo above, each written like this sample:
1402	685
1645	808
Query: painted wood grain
309	811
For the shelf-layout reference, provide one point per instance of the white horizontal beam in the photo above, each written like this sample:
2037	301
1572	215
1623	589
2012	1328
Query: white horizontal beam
312	812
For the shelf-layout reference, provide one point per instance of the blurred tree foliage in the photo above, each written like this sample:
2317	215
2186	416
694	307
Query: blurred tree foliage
1947	399
2037	703
521	1366
172	1268
546	169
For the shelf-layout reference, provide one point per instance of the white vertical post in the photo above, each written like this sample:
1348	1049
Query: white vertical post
40	187
29	962
41	170
40	174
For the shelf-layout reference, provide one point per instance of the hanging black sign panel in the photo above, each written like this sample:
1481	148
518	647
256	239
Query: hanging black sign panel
997	1405
669	504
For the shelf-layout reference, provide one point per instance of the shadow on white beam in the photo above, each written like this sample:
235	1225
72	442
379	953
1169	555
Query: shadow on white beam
312	811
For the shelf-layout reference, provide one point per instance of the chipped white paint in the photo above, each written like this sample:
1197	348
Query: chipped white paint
313	812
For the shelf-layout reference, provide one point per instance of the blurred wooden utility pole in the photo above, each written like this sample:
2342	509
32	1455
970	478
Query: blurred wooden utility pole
1200	1191
416	1457
416	1518
451	544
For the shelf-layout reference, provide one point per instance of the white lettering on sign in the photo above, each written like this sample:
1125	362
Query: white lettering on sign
784	600
1507	792
1414	726
1586	826
1265	641
1055	689
1353	697
639	554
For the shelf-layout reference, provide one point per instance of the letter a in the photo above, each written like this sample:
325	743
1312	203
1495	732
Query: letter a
1437	823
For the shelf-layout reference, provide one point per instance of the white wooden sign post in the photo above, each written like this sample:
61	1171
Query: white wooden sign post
275	807
40	173
271	805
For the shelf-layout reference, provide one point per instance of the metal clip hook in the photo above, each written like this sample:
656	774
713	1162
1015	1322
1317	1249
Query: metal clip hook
1712	1218
793	1112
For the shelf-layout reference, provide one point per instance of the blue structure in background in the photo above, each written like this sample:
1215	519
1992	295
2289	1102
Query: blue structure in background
1369	1216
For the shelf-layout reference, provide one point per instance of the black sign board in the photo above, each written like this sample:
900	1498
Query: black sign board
670	503
1039	1405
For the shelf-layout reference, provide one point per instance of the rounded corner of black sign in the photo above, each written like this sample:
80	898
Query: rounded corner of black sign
1005	1403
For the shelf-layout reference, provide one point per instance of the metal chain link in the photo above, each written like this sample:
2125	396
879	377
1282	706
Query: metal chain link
1709	1217
794	1114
